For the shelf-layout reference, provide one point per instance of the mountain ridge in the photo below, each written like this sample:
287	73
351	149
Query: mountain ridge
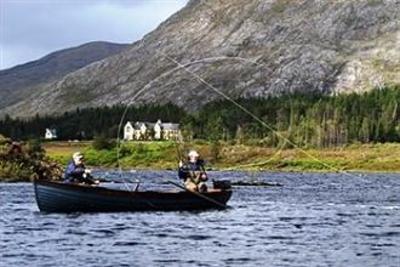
244	49
23	78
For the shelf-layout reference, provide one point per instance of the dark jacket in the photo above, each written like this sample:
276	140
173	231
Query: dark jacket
75	173
189	168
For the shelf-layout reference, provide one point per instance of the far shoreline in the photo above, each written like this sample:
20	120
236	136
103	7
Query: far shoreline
102	169
372	158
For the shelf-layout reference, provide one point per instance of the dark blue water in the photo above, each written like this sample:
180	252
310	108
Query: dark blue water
313	220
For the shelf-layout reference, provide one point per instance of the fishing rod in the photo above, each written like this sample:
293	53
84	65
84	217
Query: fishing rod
221	205
178	149
213	88
252	115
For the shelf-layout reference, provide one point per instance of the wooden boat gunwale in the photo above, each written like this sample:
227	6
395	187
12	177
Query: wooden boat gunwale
102	190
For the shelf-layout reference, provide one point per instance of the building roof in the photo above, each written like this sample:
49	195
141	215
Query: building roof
139	124
51	131
171	126
128	123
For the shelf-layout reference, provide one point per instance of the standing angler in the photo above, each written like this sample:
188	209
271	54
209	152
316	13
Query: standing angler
193	173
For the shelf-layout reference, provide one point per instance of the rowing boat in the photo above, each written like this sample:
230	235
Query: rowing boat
60	197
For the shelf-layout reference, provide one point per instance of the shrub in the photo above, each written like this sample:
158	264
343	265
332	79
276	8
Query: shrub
35	149
101	142
124	151
215	150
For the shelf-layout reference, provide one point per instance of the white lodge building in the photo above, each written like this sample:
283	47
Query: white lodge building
50	134
147	131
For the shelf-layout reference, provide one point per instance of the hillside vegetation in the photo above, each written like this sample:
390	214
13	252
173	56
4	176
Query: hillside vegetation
304	120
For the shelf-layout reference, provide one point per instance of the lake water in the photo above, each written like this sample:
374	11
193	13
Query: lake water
312	220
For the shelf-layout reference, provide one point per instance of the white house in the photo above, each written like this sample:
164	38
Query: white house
129	131
50	134
151	131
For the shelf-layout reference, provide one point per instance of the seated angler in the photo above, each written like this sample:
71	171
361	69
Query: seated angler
76	171
193	173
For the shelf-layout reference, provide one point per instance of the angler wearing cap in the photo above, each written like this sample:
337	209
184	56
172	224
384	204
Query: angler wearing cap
193	173
76	171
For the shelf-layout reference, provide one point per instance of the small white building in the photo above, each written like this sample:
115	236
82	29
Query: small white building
50	134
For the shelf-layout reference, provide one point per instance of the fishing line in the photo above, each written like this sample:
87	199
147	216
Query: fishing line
120	126
213	88
256	118
271	158
146	86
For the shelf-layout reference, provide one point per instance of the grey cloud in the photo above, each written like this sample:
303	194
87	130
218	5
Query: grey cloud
52	25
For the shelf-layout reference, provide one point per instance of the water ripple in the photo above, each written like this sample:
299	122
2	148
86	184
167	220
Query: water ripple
313	220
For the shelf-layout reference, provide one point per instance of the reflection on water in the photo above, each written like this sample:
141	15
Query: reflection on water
313	220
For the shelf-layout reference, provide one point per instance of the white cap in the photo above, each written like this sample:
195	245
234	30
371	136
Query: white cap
77	156
193	154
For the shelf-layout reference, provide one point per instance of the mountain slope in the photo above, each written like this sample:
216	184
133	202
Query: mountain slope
17	82
243	48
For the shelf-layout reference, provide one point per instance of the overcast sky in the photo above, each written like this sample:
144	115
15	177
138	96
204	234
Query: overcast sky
30	29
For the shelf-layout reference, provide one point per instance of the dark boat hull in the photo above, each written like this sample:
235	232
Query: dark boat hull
65	198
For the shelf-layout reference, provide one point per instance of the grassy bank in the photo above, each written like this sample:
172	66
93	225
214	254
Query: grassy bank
163	155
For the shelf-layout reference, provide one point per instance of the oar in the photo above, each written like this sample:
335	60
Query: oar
199	195
101	180
254	183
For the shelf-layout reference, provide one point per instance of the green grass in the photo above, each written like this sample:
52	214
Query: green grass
163	155
62	151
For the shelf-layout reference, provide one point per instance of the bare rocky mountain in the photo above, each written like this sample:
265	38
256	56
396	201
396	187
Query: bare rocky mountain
243	48
19	82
